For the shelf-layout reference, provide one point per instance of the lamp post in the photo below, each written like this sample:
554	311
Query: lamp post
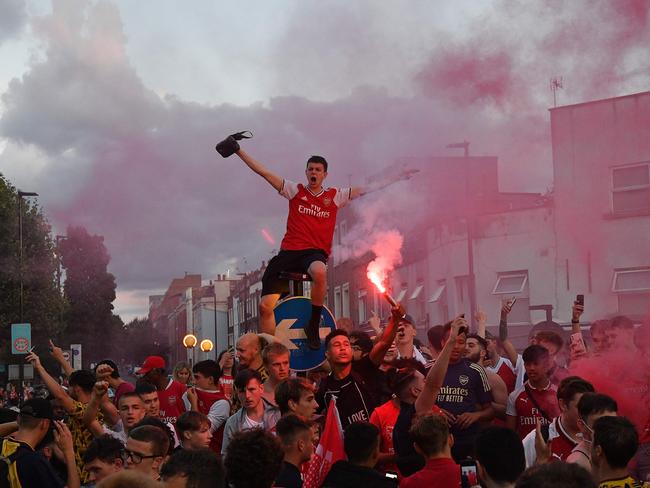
190	341
21	195
214	298
469	219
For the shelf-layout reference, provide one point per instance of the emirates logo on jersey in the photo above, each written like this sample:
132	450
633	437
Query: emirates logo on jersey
463	380
327	201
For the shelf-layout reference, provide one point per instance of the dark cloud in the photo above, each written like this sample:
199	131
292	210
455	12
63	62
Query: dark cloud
13	17
141	169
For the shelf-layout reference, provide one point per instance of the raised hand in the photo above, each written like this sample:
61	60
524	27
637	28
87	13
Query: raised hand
576	312
33	358
103	372
100	388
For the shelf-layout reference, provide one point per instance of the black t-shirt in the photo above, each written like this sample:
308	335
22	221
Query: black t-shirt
355	394
32	468
408	460
289	477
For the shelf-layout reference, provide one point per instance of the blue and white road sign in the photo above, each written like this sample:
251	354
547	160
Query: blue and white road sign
292	316
21	338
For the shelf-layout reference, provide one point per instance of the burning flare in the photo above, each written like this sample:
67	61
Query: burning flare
377	281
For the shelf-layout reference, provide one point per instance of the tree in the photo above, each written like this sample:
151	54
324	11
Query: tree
43	304
90	291
138	340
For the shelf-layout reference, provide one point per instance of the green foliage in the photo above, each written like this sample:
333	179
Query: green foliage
43	304
90	290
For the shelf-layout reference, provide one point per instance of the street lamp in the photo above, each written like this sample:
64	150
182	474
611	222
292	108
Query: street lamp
469	218
189	341
206	345
21	195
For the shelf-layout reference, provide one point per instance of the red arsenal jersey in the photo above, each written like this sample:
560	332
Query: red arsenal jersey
312	217
561	444
205	400
171	401
521	406
507	373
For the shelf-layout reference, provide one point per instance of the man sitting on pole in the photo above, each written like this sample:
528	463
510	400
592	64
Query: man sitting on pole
307	242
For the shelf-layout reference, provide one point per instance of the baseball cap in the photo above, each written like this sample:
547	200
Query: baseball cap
38	408
409	319
152	362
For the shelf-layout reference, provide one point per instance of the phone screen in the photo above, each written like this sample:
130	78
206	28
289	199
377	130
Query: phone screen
469	475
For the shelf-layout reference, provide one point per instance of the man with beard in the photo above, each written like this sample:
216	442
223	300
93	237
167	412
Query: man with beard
476	352
249	353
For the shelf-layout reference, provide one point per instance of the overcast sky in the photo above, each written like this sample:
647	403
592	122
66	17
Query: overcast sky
110	109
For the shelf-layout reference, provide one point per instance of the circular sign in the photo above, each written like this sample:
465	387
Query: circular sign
21	344
291	317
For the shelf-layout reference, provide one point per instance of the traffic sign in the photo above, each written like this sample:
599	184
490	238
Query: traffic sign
21	338
292	316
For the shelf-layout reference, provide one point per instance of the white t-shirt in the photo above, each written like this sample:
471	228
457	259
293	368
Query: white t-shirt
251	424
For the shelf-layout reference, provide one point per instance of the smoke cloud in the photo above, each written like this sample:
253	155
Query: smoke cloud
363	84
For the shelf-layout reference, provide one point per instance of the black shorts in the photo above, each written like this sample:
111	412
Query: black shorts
292	262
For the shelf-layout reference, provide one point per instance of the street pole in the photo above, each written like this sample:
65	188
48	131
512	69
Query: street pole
21	195
214	296
469	219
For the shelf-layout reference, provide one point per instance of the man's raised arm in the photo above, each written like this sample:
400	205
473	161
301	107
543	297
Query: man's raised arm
358	191
260	169
52	385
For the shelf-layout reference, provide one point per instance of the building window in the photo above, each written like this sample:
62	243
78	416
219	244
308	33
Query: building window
402	292
417	292
510	283
345	300
343	230
462	290
362	306
337	302
438	292
631	188
515	284
632	285
439	298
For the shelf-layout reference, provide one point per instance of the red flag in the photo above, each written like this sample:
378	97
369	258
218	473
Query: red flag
329	450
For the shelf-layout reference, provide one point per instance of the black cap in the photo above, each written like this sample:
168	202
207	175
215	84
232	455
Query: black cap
38	408
409	319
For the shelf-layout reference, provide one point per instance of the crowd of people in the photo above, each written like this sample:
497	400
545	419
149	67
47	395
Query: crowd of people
464	410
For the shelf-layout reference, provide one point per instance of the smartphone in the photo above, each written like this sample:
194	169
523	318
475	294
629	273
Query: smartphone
513	300
580	300
391	475
469	474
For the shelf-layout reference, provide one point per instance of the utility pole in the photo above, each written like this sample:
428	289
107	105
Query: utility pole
469	219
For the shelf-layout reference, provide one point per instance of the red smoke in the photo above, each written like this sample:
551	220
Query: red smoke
623	375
